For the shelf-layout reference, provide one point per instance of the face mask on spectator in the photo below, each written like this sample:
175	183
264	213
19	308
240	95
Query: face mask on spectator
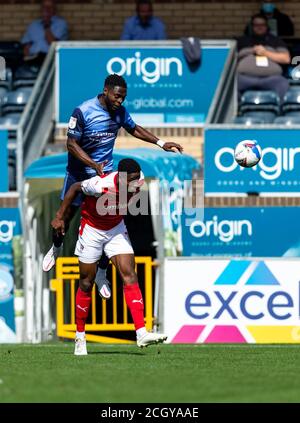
268	7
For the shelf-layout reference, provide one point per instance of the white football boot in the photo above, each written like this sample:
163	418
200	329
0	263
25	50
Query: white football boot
80	346
103	284
50	257
151	338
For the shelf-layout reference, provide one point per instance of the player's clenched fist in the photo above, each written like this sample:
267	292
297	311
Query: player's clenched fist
172	146
58	225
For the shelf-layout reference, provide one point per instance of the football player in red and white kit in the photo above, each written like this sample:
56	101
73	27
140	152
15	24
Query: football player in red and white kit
102	228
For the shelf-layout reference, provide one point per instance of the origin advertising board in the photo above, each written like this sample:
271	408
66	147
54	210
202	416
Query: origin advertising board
4	160
241	232
232	301
277	171
162	90
10	226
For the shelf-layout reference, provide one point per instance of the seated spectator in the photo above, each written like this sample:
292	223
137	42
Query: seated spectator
260	59
42	32
279	23
143	26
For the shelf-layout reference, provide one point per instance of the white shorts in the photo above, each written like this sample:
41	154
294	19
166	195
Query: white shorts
91	243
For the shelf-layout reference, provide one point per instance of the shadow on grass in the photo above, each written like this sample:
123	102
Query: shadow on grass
105	352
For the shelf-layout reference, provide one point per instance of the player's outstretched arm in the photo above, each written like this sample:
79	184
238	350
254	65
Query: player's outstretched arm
144	135
58	223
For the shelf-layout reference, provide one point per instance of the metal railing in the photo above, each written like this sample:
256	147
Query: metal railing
105	315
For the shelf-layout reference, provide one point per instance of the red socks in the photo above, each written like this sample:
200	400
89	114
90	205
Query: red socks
134	301
83	301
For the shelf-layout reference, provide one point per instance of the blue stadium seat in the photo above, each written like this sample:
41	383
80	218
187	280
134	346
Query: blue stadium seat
3	93
291	101
294	75
15	101
18	83
291	114
287	120
248	120
260	100
264	116
25	75
27	72
12	170
10	119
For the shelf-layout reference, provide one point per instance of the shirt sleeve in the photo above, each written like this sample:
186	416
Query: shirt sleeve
281	46
126	31
76	125
127	121
92	186
161	32
27	37
60	30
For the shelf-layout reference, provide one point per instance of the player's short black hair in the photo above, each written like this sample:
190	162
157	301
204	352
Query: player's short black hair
129	166
115	80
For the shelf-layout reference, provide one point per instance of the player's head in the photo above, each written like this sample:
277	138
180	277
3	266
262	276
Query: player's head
144	10
48	9
259	25
115	91
129	173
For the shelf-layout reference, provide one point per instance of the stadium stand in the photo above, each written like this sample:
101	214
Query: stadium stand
259	107
28	88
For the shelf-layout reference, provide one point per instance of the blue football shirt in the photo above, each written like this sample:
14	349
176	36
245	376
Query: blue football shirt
95	130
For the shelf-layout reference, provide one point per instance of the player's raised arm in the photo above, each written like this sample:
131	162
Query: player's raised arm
143	134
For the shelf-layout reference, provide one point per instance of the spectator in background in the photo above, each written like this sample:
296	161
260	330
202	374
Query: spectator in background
143	26
279	23
260	59
42	32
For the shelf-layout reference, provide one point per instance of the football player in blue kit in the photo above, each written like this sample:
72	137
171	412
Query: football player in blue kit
93	128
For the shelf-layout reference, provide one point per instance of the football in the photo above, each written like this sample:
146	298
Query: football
247	153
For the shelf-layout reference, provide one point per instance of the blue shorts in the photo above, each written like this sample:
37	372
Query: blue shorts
68	181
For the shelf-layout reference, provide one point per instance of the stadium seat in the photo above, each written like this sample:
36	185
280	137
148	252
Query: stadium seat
3	93
12	170
15	101
27	71
263	116
248	120
294	76
18	83
294	84
290	114
25	76
10	119
291	101
287	120
260	100
7	82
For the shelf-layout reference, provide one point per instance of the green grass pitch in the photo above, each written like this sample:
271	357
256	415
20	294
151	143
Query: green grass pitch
166	373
